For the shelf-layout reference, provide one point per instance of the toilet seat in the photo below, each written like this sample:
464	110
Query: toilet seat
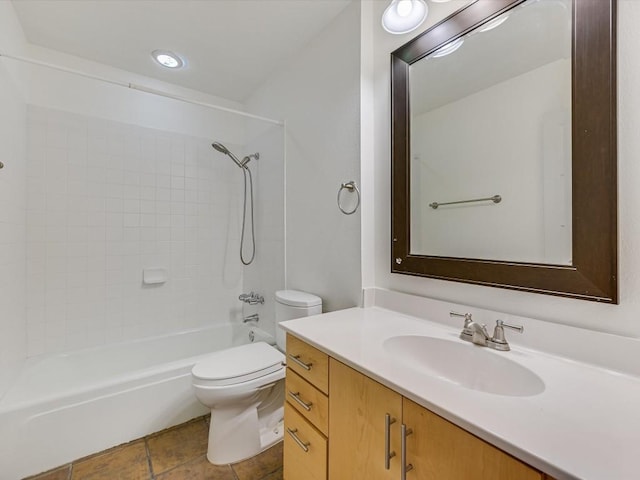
238	365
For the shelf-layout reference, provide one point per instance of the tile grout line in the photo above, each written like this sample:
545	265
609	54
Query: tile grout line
149	463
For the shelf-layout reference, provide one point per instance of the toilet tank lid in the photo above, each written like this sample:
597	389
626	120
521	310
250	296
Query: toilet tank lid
295	298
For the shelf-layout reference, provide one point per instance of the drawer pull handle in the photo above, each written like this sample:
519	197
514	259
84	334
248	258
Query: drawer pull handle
388	454
302	403
296	358
304	446
404	468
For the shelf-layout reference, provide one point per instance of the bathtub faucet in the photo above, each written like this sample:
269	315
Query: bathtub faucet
251	298
251	318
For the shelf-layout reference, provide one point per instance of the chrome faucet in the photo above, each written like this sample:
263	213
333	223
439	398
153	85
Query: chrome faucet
477	333
251	298
251	318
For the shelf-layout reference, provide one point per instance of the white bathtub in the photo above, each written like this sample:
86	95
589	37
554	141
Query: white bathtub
63	407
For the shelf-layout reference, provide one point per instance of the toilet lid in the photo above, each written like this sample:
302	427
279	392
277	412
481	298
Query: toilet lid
238	364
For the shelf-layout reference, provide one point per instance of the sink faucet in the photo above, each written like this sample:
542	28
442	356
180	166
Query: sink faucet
477	333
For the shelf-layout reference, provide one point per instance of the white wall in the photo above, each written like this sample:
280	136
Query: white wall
13	204
318	94
266	274
623	318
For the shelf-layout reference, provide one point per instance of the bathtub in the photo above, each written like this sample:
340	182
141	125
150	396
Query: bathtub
65	406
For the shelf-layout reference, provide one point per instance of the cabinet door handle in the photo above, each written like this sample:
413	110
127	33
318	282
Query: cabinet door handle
296	358
404	468
302	403
388	455
303	445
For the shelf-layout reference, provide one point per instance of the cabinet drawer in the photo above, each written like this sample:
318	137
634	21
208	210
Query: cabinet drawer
308	401
308	362
305	449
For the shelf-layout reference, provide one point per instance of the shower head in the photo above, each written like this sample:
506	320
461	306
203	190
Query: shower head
222	149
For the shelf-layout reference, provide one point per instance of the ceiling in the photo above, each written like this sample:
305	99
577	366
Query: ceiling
230	46
535	34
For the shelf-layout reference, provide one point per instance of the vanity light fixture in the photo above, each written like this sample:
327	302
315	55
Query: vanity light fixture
496	22
404	16
448	48
168	59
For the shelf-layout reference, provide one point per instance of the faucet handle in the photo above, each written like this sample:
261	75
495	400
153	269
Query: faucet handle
466	333
498	341
466	316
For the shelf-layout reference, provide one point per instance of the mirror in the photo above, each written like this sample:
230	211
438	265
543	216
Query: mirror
493	125
504	153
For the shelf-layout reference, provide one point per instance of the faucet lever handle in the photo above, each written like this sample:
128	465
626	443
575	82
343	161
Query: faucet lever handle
517	328
466	316
498	341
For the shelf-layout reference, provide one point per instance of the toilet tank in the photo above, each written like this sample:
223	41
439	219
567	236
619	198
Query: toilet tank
292	304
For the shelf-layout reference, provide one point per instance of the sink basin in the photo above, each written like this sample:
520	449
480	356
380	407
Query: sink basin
465	364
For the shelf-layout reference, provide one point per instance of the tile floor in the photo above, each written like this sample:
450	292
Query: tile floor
178	453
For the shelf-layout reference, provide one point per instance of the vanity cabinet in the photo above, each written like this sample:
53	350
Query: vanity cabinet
438	449
367	421
306	412
343	425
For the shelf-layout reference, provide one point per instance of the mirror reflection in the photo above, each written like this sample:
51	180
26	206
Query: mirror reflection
490	141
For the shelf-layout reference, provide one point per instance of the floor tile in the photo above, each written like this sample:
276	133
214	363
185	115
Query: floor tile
178	445
57	474
261	465
277	475
199	469
128	462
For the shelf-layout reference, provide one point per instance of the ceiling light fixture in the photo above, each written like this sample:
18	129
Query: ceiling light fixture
404	16
496	22
448	48
167	59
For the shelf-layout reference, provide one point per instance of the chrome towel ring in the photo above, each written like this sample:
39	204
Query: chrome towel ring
351	186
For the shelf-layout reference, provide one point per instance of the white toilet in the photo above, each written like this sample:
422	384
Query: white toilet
244	387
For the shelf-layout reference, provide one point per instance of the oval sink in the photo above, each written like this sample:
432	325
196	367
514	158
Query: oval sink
465	364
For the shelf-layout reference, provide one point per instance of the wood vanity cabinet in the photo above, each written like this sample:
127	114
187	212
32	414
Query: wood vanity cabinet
343	425
306	412
436	449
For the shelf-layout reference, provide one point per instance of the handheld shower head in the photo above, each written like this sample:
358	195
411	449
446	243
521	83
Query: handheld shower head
222	149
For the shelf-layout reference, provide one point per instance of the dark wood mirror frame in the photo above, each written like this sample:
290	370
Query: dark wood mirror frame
593	275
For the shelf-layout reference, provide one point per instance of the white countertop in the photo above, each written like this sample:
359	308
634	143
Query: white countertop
585	425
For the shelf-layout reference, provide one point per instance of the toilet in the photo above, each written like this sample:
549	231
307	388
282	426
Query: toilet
244	387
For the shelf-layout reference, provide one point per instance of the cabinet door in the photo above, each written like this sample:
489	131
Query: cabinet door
439	450
357	440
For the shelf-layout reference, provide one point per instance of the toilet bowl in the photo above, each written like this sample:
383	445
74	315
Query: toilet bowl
244	388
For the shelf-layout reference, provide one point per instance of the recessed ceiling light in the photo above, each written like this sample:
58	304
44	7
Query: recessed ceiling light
496	22
403	16
448	48
167	59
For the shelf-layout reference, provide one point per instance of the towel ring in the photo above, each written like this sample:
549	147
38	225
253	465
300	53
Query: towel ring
351	186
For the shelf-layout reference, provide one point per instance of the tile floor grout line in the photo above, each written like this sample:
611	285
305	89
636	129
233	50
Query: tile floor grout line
152	475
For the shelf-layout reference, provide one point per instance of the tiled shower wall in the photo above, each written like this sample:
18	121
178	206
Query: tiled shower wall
13	200
105	201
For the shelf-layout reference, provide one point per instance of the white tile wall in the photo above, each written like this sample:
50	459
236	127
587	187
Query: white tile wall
266	274
107	199
13	338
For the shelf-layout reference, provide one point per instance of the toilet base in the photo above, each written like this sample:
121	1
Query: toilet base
236	434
